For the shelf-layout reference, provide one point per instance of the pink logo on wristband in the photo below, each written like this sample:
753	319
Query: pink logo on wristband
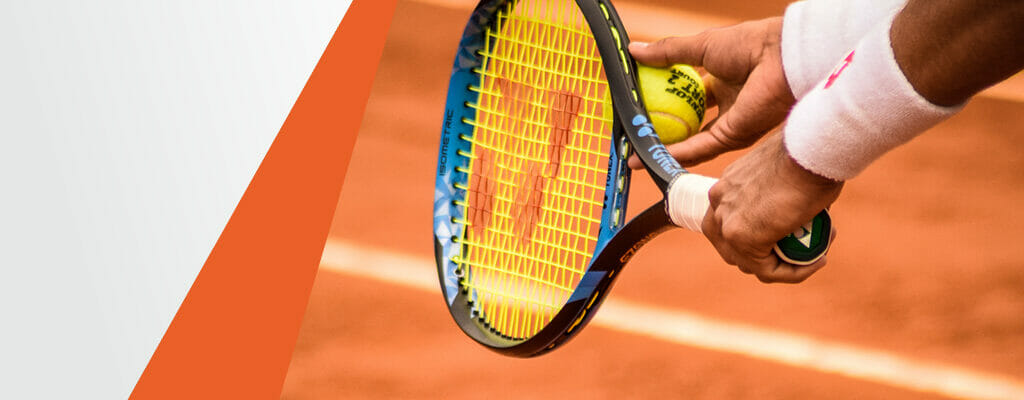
839	69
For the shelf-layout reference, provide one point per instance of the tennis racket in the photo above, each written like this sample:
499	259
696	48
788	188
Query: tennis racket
543	110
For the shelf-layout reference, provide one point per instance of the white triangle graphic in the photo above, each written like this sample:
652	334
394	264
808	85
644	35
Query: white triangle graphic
806	237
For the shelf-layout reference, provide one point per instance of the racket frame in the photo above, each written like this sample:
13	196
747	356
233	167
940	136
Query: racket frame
617	242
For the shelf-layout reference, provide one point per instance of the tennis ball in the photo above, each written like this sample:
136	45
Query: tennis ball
674	97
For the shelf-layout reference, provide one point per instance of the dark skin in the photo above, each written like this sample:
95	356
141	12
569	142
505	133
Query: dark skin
975	33
949	51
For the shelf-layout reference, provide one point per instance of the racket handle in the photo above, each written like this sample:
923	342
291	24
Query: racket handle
688	203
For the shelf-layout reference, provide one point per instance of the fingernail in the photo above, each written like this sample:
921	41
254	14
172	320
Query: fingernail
638	45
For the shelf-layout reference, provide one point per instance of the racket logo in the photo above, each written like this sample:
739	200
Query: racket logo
646	129
663	158
839	70
445	138
636	246
658	150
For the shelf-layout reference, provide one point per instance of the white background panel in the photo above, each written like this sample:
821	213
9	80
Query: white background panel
129	131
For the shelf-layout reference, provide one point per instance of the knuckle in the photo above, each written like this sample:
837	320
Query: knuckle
715	194
664	48
735	136
708	227
734	233
703	39
664	42
723	131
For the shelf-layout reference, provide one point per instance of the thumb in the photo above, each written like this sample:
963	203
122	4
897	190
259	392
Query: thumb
701	147
671	50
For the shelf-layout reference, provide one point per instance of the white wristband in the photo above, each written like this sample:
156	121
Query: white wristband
816	34
865	108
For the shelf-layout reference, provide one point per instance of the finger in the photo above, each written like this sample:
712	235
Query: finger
788	273
756	110
707	125
689	160
733	130
710	85
761	267
671	50
695	150
634	162
701	147
711	228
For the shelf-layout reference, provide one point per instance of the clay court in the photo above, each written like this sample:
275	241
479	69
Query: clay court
923	296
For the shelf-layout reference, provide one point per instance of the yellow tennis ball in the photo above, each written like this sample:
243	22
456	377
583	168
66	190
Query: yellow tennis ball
674	97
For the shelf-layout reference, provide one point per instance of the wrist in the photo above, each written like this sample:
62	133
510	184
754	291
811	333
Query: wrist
846	122
773	54
790	168
804	175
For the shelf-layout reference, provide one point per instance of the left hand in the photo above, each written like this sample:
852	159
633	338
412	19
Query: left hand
761	198
745	81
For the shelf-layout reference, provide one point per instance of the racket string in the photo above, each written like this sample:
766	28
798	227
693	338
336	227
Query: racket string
503	317
537	170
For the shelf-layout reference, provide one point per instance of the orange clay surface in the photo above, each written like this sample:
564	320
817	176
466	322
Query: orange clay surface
928	264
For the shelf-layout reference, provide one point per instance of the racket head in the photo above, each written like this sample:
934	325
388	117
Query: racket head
528	108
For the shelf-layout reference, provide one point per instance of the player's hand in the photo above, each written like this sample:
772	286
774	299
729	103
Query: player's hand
760	198
745	81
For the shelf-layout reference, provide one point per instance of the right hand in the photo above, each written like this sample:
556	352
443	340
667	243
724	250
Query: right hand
761	197
745	80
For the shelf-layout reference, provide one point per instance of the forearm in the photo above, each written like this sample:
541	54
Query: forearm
950	50
909	72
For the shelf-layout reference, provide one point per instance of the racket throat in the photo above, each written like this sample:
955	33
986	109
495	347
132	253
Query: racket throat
633	236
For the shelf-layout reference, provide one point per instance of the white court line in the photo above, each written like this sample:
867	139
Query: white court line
659	22
695	330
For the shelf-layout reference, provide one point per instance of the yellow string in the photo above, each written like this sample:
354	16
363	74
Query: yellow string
524	263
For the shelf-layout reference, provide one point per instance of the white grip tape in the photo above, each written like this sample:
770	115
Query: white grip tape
688	200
